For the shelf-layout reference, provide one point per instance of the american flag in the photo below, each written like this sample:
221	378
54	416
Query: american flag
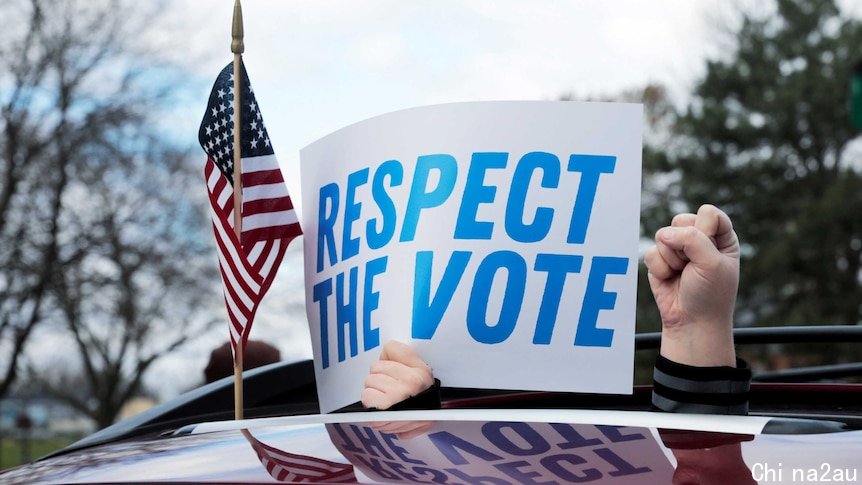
293	468
269	222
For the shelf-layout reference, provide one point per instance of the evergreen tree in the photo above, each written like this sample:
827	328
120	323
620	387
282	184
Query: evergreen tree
767	137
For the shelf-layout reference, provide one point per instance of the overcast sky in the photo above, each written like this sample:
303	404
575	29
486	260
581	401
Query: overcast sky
317	66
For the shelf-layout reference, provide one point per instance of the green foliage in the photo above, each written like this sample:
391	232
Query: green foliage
768	138
11	450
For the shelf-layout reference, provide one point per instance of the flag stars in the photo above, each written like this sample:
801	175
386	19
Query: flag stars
217	131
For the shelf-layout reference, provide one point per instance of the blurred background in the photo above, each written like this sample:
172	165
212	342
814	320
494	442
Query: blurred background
109	290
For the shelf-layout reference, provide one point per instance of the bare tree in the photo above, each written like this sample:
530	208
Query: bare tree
98	231
139	287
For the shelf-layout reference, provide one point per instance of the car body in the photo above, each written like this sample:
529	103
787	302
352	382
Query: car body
796	433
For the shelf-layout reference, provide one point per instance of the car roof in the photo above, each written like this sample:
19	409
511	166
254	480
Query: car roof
282	403
546	444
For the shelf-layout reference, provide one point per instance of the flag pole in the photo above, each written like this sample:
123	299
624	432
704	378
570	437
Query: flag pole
237	47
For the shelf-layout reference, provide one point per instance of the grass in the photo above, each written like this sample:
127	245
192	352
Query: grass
11	449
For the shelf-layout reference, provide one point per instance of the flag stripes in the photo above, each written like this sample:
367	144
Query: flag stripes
247	263
293	468
266	207
245	277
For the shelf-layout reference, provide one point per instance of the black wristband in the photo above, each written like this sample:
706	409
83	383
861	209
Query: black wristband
705	390
427	399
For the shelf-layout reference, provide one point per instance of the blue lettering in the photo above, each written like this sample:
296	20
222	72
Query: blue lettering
420	198
427	311
572	437
477	309
320	294
376	466
597	299
352	209
370	302
345	314
557	266
400	452
554	464
475	193
516	228
436	475
477	480
368	438
591	167
623	468
449	444
613	433
326	224
536	444
521	477
377	238
402	470
346	441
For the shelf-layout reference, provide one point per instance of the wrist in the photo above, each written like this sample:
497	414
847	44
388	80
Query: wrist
700	344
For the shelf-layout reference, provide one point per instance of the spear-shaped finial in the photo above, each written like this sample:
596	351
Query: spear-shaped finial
236	44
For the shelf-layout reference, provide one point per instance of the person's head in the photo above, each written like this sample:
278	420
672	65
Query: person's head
257	353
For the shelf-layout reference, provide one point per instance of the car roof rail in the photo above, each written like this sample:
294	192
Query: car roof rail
809	373
787	335
773	335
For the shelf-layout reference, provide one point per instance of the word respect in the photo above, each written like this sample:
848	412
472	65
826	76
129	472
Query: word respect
340	238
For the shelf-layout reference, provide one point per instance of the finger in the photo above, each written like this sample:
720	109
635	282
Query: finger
376	399
401	352
682	220
388	367
381	382
382	392
417	379
696	245
674	258
725	236
403	429
656	265
716	224
420	428
389	426
712	221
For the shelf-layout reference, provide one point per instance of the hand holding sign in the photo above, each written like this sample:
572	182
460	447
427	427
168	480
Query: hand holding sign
399	374
694	274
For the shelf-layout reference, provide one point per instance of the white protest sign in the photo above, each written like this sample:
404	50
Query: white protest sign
498	238
505	453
